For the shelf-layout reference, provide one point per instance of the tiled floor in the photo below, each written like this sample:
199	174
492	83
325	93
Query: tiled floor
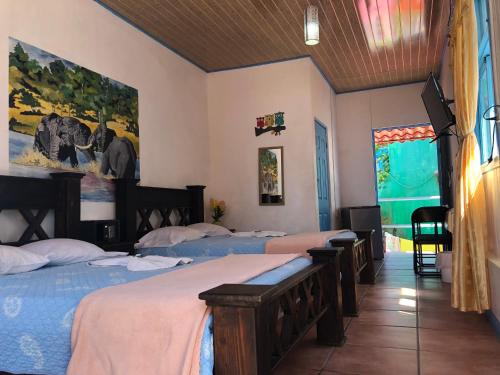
406	326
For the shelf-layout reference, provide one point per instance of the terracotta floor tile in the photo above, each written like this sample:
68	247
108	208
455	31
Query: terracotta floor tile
384	284
396	284
286	369
388	318
454	320
437	305
404	267
396	267
428	283
391	292
434	294
308	354
369	360
398	264
381	336
383	339
403	272
458	341
382	303
389	277
437	363
404	259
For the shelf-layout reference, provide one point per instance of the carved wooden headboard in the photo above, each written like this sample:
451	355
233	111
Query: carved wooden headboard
133	202
27	195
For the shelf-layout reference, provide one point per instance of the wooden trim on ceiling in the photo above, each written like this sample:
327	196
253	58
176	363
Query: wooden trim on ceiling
385	87
365	44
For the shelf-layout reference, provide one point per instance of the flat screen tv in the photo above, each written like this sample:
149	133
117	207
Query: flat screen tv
437	107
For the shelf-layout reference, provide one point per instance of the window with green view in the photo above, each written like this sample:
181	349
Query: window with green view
486	97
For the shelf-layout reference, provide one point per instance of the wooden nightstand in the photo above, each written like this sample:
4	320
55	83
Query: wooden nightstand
105	234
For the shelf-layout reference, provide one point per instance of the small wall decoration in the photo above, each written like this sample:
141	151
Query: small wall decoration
63	116
271	183
274	123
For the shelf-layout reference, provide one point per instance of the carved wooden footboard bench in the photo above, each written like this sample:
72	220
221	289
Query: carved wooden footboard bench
356	266
255	326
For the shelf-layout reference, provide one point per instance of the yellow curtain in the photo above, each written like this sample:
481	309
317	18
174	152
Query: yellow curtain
470	285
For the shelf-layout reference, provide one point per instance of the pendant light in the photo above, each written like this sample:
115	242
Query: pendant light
311	25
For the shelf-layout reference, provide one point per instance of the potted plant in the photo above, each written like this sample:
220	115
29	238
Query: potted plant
218	208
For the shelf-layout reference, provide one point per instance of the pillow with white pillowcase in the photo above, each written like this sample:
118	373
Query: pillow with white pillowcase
210	229
168	236
61	251
16	260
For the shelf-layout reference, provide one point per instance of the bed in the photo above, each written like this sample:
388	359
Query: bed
253	324
136	205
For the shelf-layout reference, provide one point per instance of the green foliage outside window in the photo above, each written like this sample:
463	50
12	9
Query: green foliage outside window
383	164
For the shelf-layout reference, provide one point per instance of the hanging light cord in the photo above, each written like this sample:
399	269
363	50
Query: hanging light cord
496	119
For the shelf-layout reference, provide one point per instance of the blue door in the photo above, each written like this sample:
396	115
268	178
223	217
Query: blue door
323	177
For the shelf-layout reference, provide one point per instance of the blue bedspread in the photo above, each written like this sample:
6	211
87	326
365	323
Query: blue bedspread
222	245
37	308
211	246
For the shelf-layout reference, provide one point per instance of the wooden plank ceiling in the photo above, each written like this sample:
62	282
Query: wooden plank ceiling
363	43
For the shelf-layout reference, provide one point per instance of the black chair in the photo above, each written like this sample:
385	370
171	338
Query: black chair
429	228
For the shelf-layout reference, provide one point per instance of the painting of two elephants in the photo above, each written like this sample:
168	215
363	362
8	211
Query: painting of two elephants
65	117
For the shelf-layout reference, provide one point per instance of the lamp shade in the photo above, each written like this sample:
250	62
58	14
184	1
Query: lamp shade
311	25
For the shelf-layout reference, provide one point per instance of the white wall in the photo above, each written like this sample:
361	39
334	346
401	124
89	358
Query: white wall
323	110
236	98
356	115
172	92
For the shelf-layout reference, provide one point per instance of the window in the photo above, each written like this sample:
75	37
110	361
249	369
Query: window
484	128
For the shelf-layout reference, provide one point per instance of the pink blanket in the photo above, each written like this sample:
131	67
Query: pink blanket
300	243
155	326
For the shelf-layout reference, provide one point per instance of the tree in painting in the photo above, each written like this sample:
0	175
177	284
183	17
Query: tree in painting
64	116
269	172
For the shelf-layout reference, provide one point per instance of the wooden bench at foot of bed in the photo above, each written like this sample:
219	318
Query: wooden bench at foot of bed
356	266
255	326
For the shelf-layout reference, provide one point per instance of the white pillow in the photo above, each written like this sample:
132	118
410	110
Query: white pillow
61	251
168	236
210	229
17	260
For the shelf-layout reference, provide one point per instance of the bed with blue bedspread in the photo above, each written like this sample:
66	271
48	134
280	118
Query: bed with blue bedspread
37	310
223	245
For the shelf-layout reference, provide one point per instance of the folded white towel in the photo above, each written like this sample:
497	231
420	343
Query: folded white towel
259	234
269	233
155	262
147	263
106	262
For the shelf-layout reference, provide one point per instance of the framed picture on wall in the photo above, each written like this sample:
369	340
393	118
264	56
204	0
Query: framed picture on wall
271	181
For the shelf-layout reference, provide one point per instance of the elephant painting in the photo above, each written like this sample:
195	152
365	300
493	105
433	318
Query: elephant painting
56	138
119	158
118	153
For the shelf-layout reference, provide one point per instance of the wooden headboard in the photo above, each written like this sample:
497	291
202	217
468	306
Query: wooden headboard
133	202
27	195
